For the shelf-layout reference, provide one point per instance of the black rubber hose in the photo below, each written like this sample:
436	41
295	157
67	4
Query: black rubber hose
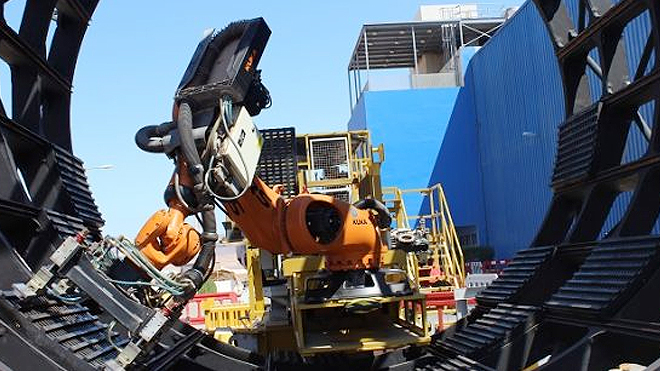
202	266
184	125
384	217
149	138
209	237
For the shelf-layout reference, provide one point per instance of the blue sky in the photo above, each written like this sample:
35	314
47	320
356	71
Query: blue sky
135	52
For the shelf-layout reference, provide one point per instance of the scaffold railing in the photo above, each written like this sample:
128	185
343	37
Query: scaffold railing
437	223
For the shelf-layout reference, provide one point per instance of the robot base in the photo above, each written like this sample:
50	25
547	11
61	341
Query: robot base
384	282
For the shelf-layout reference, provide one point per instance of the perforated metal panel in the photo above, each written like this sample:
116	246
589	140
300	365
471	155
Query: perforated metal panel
277	164
330	158
340	193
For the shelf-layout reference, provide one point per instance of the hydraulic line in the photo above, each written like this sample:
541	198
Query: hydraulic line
202	266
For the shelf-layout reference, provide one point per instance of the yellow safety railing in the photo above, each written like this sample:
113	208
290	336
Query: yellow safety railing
239	315
443	237
393	198
227	316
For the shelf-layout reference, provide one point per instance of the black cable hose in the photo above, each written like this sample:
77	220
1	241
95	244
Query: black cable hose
202	266
184	123
149	138
384	218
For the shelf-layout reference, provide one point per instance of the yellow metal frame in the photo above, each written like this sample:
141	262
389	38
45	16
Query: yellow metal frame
401	320
363	159
227	316
257	306
405	326
235	316
397	205
444	239
405	321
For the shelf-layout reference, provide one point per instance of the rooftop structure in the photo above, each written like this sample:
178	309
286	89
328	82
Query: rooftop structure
422	53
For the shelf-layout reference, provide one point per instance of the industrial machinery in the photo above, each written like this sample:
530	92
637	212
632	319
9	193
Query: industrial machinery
300	287
434	237
216	152
581	296
575	300
215	149
122	280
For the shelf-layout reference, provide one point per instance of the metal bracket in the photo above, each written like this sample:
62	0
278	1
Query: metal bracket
153	326
125	358
46	275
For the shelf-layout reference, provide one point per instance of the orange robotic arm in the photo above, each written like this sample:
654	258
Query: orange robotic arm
310	224
165	238
306	224
348	236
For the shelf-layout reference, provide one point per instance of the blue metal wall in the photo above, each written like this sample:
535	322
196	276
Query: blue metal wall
519	104
505	131
408	123
457	164
498	152
498	141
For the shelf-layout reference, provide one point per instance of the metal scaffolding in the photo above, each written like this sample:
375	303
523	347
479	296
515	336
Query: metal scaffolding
428	50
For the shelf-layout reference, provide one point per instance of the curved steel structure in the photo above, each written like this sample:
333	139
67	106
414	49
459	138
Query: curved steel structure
44	193
580	298
45	197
